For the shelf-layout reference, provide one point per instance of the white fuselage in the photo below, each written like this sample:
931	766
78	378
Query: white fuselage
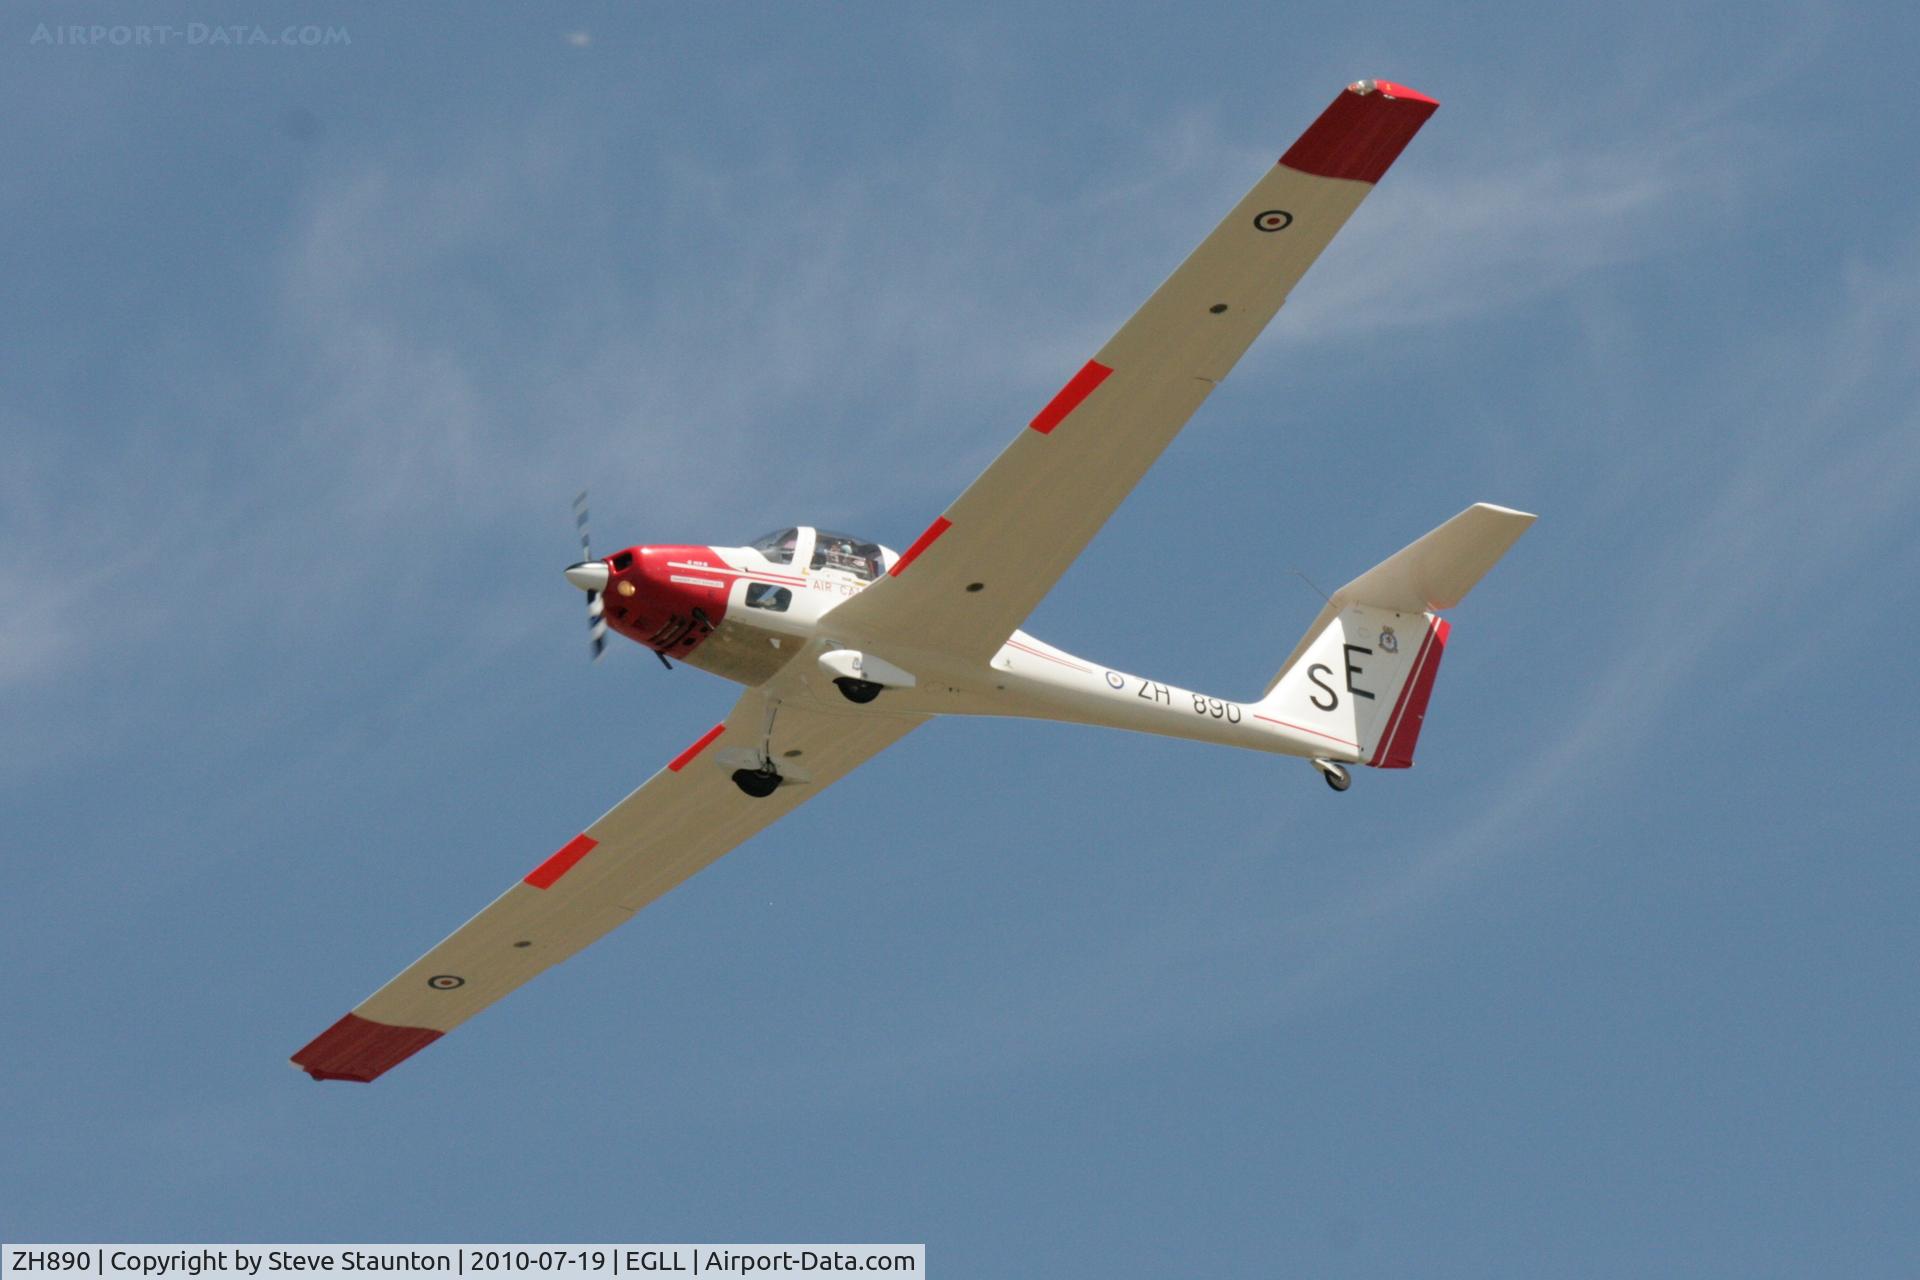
1025	678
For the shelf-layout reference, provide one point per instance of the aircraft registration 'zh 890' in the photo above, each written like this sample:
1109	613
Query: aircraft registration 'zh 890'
845	646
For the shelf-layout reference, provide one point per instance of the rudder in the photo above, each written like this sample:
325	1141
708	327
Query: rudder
1359	679
1361	684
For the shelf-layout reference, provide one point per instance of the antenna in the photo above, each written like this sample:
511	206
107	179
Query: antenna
1310	582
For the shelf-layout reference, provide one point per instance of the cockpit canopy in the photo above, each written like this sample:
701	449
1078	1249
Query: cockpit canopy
838	551
847	553
777	546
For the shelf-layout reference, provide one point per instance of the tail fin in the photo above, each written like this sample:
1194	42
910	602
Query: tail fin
1361	676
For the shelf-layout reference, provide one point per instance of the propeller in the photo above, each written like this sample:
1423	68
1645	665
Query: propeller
596	608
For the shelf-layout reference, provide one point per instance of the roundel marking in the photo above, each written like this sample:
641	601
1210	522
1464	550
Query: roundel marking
1116	680
446	981
1272	220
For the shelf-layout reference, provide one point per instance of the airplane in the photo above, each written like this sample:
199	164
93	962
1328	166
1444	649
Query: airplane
846	646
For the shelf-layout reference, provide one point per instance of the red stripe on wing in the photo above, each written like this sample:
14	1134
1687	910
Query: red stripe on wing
544	875
361	1049
685	758
1078	388
921	543
1362	133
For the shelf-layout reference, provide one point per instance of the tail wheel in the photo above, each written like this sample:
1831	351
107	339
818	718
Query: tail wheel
1336	775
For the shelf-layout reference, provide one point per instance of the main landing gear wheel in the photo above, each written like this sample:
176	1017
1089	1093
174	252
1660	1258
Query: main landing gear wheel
861	691
758	783
1337	777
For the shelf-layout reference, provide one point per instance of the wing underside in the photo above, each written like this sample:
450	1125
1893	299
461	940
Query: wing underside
982	566
681	819
971	578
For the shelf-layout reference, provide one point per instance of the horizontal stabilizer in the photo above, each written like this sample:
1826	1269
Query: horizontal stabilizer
1437	571
1432	573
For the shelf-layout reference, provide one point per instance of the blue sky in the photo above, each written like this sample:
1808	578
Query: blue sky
307	350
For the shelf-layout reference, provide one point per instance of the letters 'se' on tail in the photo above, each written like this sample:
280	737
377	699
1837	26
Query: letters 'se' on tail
1361	676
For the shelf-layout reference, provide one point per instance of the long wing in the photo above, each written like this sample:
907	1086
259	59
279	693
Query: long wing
979	570
683	818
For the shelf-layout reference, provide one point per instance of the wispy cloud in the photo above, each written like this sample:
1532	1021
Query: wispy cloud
1819	508
44	623
429	343
1434	247
1821	504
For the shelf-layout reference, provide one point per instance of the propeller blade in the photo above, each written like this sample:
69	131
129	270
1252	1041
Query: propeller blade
596	608
580	523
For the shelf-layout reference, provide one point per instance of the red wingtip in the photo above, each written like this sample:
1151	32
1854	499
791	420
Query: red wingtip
1401	91
361	1049
1362	133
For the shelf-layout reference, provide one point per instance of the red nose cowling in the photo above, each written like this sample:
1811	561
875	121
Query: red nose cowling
667	598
